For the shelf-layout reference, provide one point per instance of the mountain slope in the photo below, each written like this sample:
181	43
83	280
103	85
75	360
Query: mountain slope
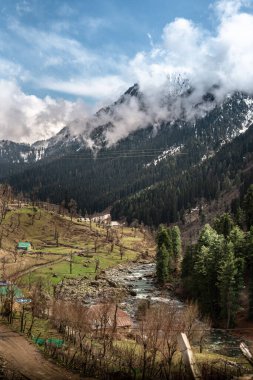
143	171
169	200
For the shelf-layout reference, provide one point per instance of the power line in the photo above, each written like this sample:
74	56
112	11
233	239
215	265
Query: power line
106	157
135	153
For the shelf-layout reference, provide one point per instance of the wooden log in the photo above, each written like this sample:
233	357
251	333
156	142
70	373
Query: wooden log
246	352
188	356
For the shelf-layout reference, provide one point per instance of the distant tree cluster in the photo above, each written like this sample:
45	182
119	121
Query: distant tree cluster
220	265
169	251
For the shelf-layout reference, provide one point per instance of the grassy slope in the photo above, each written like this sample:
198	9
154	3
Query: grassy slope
74	237
39	226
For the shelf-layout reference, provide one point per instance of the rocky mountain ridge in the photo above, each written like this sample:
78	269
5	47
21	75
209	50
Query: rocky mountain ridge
81	164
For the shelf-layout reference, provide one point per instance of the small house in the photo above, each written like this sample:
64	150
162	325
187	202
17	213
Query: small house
108	316
102	218
24	246
114	223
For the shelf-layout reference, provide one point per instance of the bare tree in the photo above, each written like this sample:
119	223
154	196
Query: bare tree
4	262
38	304
72	208
121	251
159	329
95	244
56	235
15	255
5	198
70	262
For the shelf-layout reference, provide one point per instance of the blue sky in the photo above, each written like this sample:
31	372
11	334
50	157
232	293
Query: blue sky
62	60
55	40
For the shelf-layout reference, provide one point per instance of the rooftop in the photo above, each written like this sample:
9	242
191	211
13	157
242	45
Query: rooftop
106	312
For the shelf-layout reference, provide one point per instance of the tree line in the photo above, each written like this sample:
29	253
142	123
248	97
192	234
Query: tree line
218	267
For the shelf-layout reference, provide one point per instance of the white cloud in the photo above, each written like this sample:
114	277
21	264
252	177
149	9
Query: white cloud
50	45
23	7
109	86
223	57
10	69
228	8
94	23
28	118
189	55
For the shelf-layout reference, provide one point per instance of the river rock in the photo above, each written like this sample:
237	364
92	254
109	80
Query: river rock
94	283
149	275
113	284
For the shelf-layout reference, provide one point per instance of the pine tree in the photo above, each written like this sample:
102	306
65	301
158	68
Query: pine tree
237	237
162	237
176	248
250	272
248	206
228	286
164	254
162	259
224	224
209	251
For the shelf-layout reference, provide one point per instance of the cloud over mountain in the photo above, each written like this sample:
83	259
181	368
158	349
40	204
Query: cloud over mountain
187	57
28	118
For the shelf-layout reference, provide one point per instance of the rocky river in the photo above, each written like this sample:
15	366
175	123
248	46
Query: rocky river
139	279
132	283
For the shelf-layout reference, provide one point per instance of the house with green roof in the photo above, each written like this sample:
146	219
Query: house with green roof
24	245
5	290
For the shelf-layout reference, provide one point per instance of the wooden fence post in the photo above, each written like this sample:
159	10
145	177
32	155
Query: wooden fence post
246	352
188	357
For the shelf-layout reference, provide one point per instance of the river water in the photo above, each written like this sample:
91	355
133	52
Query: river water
139	278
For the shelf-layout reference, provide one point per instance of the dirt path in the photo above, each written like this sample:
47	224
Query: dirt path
36	267
25	358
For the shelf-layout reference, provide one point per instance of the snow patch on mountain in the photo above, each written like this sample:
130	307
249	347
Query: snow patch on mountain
207	156
172	151
248	117
24	156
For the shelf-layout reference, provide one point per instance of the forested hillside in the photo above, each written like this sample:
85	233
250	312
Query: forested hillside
169	200
154	174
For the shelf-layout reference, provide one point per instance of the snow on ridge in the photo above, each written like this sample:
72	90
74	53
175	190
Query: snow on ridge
248	117
24	156
40	145
208	155
172	151
248	101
